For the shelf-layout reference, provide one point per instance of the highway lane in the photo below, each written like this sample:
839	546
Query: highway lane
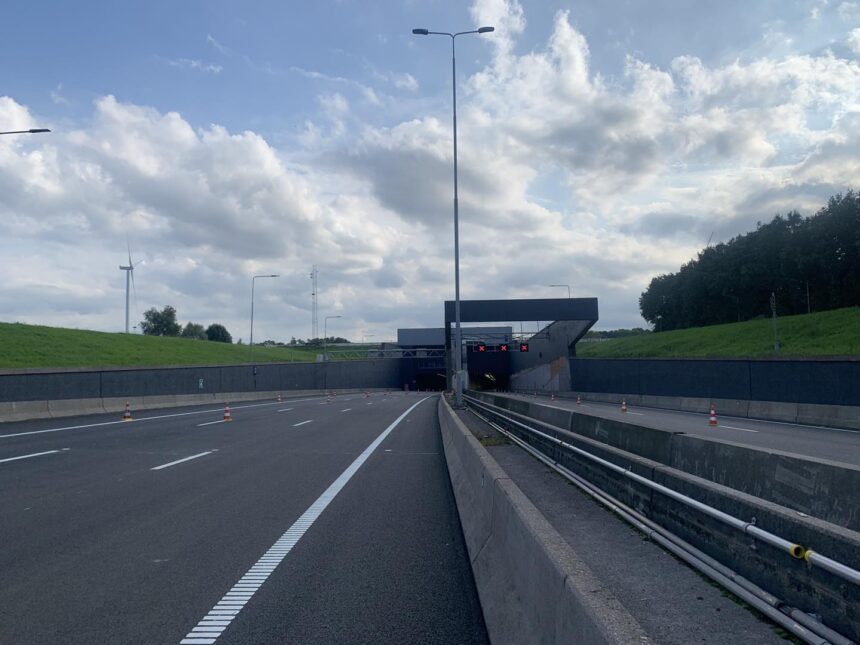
101	548
832	444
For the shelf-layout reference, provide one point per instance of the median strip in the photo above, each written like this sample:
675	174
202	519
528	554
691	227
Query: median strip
179	461
222	614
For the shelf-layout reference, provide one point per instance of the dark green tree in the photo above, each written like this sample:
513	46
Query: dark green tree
218	333
194	331
160	323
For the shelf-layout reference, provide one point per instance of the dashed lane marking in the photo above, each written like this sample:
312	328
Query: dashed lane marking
301	423
179	461
209	423
285	410
346	410
207	631
35	454
734	428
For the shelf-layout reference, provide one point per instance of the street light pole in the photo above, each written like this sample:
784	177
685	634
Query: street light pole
251	343
563	285
325	336
458	349
30	131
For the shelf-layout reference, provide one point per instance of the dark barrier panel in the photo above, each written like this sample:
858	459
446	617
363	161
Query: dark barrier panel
270	377
825	382
49	387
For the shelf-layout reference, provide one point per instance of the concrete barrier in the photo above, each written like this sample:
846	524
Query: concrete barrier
24	410
818	487
532	586
811	589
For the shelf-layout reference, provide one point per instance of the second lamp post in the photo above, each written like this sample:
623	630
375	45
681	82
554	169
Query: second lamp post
458	349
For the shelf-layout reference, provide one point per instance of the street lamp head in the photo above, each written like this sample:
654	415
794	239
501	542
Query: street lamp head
420	32
485	30
37	130
274	275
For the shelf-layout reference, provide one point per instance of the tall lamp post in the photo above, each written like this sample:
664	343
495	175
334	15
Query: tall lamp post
458	351
325	336
563	285
251	343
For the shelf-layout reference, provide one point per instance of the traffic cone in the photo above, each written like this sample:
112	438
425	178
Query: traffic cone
578	400
712	420
552	397
623	405
126	416
227	416
279	398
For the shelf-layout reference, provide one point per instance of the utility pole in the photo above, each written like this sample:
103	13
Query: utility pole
315	331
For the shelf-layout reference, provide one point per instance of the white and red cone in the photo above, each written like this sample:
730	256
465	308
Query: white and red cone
623	405
126	416
227	416
712	419
578	400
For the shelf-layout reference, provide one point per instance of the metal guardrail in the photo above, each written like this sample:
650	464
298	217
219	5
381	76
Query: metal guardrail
799	623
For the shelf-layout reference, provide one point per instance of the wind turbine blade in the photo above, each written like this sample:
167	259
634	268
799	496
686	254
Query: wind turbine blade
128	246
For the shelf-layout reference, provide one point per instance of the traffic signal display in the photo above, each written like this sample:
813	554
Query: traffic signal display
482	347
524	347
503	347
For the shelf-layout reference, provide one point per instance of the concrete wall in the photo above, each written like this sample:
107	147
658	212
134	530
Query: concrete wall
817	487
808	588
28	394
532	586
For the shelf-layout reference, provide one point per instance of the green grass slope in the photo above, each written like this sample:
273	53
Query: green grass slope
828	333
37	346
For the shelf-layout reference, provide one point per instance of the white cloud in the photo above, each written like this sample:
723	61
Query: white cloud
853	40
197	65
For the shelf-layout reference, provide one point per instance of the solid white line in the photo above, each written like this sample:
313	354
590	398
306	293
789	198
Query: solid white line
346	410
209	423
279	550
35	454
638	414
179	461
296	425
734	428
160	416
285	410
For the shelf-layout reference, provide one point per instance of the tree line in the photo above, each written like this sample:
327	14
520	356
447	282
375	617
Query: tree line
163	323
808	264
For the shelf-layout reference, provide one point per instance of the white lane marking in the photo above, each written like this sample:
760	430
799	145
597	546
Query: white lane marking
161	416
346	410
220	616
35	454
734	428
301	423
179	461
209	423
371	403
638	414
285	410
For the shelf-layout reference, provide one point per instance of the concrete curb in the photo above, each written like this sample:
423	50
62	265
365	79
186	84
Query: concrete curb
27	410
532	585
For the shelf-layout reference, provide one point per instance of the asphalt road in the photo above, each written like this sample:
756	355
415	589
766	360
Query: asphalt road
832	444
303	521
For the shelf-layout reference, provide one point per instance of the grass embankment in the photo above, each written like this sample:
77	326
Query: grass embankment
828	333
37	346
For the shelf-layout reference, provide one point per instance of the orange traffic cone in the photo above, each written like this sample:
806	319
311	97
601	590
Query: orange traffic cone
126	416
623	405
578	400
227	416
712	420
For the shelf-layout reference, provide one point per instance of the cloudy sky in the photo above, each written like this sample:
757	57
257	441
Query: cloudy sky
601	143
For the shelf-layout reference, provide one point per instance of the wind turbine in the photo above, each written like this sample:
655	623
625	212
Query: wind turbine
129	278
